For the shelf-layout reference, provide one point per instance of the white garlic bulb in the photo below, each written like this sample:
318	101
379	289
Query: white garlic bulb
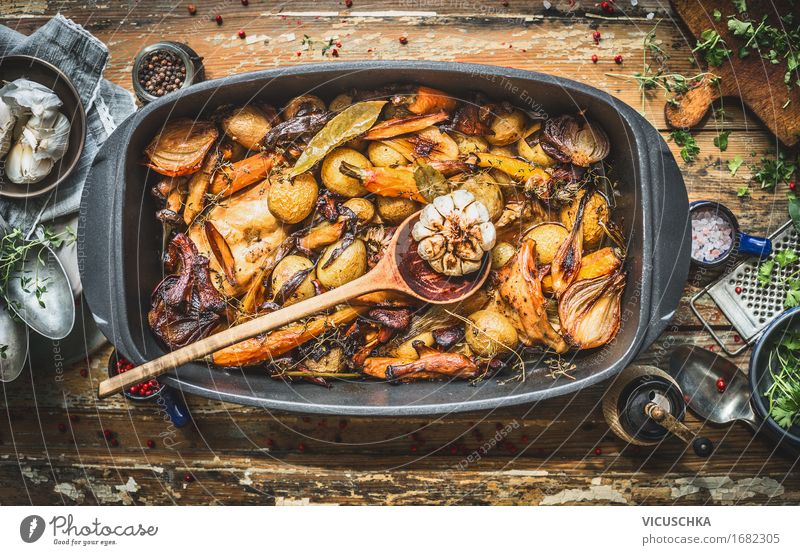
47	135
30	97
22	167
453	233
7	121
41	132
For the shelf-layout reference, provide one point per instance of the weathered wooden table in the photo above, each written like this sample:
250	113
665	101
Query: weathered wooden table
52	448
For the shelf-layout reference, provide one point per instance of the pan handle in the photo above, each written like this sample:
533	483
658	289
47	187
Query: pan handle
95	242
671	234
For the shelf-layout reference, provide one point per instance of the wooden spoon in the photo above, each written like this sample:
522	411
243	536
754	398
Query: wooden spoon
401	269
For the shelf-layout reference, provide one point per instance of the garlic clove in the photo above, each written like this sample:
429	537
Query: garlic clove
488	235
420	232
432	248
7	121
21	167
462	198
469	266
451	265
431	217
444	205
476	213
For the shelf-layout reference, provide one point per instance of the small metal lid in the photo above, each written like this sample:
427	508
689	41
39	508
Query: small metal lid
195	71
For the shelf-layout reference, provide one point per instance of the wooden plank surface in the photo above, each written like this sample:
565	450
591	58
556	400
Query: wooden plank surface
241	455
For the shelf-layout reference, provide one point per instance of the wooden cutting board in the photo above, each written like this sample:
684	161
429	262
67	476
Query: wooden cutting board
757	82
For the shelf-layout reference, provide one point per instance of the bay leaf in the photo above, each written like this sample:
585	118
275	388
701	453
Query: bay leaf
430	182
348	124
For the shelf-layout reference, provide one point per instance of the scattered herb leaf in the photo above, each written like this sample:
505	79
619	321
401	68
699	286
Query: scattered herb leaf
735	164
786	257
765	272
688	144
721	140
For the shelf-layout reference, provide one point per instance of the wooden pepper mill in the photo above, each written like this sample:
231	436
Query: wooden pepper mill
645	404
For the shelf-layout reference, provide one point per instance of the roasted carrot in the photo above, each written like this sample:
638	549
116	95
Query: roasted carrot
514	167
265	347
239	175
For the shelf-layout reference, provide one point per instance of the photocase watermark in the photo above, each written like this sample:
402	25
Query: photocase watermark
487	446
67	531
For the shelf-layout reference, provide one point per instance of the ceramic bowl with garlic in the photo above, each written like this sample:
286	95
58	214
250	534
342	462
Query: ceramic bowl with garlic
42	127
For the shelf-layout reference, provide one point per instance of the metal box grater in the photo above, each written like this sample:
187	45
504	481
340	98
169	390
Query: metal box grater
752	309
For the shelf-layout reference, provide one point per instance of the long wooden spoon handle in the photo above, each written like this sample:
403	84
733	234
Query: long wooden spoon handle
368	283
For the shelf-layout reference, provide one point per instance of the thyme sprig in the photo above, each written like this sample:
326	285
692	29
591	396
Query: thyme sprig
14	250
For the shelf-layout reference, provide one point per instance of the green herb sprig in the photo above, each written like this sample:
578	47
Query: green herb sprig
688	144
14	249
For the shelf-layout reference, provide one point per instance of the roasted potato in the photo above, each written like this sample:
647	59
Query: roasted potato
362	208
285	270
487	192
394	210
340	102
469	144
383	155
501	254
548	237
350	264
490	333
407	351
596	210
247	126
335	180
292	200
507	128
535	154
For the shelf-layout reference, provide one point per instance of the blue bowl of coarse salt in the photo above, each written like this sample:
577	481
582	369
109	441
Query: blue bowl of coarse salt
716	236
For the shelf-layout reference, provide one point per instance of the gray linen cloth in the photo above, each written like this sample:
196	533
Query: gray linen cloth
82	58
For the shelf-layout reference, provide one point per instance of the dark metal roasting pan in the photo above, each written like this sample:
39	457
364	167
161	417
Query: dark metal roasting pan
120	238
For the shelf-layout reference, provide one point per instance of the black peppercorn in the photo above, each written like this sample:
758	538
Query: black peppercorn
161	72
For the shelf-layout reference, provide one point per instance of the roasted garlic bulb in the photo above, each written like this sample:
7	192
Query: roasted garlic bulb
453	233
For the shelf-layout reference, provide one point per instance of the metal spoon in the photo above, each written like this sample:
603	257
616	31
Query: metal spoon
14	344
394	272
52	312
697	370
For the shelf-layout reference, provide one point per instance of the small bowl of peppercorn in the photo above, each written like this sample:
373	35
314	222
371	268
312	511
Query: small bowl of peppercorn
165	67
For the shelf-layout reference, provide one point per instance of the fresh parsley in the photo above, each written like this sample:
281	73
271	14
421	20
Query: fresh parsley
743	191
721	140
740	5
717	15
771	172
688	144
786	257
783	393
712	48
765	272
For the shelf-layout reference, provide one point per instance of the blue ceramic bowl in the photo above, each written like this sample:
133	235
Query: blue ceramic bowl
748	245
